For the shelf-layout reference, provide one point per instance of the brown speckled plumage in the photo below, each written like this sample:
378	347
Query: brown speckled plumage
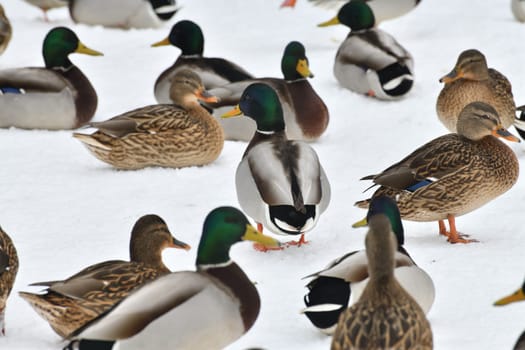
8	271
386	316
464	173
5	30
158	135
479	84
69	304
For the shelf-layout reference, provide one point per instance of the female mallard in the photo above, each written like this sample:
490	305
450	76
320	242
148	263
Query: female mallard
58	96
280	182
386	316
305	114
471	80
161	135
187	36
204	309
123	14
383	9
342	282
370	61
5	30
46	5
8	270
71	303
454	174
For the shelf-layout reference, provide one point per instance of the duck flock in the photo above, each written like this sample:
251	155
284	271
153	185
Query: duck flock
199	125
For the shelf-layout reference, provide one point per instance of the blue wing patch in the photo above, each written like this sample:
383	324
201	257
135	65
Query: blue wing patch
11	90
418	185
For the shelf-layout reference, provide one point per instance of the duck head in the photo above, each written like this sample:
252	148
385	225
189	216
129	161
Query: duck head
187	89
471	65
356	15
59	43
187	36
294	63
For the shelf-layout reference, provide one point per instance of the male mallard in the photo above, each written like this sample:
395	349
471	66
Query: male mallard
383	9
471	80
8	270
170	135
370	61
305	114
518	295
206	309
187	36
123	14
454	174
46	5
5	30
386	316
342	282
58	96
280	182
71	303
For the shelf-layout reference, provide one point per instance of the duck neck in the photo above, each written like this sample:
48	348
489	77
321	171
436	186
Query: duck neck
265	136
151	257
231	276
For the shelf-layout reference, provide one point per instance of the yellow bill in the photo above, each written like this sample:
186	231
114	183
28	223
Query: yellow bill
331	22
251	234
81	48
235	112
516	296
163	42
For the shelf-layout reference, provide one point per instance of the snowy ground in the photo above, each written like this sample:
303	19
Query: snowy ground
66	210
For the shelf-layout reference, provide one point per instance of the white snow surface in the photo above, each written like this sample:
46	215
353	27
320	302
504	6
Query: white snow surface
66	210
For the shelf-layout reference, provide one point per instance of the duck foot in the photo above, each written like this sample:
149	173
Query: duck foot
453	236
371	93
299	243
288	3
262	248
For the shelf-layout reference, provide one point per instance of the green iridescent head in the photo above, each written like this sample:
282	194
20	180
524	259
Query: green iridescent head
59	43
294	63
386	206
223	227
357	15
187	36
261	103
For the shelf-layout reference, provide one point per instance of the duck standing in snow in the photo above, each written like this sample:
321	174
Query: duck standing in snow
187	310
188	37
8	271
123	14
70	304
175	135
341	283
471	80
58	96
454	174
385	316
5	30
280	183
305	114
370	61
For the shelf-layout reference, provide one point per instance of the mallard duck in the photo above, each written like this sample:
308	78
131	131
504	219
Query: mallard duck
383	9
123	14
454	174
280	183
518	9
342	282
187	36
8	270
518	295
519	123
385	316
58	96
204	309
471	80
5	30
71	303
46	5
170	135
305	114
370	61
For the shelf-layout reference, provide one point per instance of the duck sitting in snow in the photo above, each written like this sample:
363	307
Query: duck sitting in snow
187	36
280	183
204	309
370	61
58	96
123	14
471	80
341	283
385	316
70	304
305	114
454	174
8	271
170	135
5	30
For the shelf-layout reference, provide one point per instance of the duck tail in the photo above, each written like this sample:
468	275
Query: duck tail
90	141
363	204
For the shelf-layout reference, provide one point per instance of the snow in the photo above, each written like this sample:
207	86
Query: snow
66	210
